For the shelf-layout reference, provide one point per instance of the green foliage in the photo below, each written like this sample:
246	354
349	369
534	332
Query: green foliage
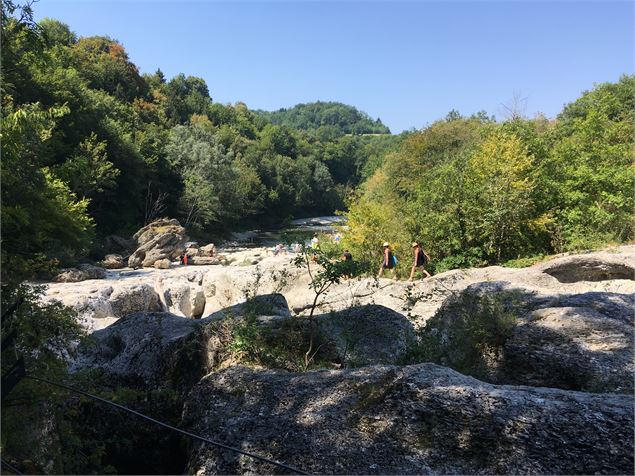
325	268
43	221
326	119
280	347
124	141
88	171
45	335
468	334
476	192
593	161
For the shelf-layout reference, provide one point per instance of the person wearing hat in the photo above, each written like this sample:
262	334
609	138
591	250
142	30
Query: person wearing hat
420	260
388	262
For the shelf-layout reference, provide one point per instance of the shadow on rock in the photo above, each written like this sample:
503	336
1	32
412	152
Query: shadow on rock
511	336
404	420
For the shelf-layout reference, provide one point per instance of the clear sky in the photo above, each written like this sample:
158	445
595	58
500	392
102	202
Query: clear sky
408	63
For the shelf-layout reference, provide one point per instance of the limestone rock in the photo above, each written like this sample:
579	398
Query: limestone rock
162	263
147	346
203	260
590	267
158	228
207	250
128	299
579	342
82	273
368	334
181	296
420	419
113	261
162	239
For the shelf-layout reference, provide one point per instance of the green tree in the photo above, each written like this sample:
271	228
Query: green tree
43	222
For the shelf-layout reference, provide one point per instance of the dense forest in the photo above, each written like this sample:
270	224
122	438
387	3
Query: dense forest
327	120
92	147
475	191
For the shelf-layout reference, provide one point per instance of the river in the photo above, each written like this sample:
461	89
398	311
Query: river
299	230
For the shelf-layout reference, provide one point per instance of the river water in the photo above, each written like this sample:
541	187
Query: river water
299	231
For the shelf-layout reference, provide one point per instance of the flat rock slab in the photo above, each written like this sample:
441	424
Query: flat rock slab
420	419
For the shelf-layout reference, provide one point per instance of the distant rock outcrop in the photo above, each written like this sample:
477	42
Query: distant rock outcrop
113	261
161	239
419	419
82	273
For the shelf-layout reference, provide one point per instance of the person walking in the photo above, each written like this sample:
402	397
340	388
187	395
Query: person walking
421	259
315	246
389	262
347	258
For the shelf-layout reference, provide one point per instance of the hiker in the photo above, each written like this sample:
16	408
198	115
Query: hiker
278	249
347	258
420	260
315	246
389	262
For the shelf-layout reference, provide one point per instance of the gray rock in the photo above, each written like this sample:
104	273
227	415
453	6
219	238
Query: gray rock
82	273
158	228
421	419
508	335
183	297
204	260
162	263
207	250
162	239
598	267
113	261
368	334
128	299
150	348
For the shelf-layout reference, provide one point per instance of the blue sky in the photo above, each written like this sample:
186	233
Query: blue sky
408	63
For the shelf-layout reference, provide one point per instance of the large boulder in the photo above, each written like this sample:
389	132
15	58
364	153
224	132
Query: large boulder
420	419
161	239
207	250
203	260
134	298
147	349
162	263
600	266
182	295
82	273
113	261
504	334
368	334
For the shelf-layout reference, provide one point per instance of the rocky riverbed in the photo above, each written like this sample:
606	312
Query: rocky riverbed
551	345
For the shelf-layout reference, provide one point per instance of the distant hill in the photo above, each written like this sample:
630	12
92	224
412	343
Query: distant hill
326	119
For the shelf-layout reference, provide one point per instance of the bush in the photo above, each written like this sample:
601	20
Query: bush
468	334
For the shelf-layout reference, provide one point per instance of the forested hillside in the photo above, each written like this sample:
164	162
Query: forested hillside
92	147
475	191
326	120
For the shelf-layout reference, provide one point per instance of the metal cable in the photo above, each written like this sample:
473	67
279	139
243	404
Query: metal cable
11	467
170	427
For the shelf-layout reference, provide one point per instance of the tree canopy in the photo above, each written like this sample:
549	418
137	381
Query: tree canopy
326	120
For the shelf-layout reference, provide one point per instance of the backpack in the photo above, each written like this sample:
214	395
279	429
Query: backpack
394	259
